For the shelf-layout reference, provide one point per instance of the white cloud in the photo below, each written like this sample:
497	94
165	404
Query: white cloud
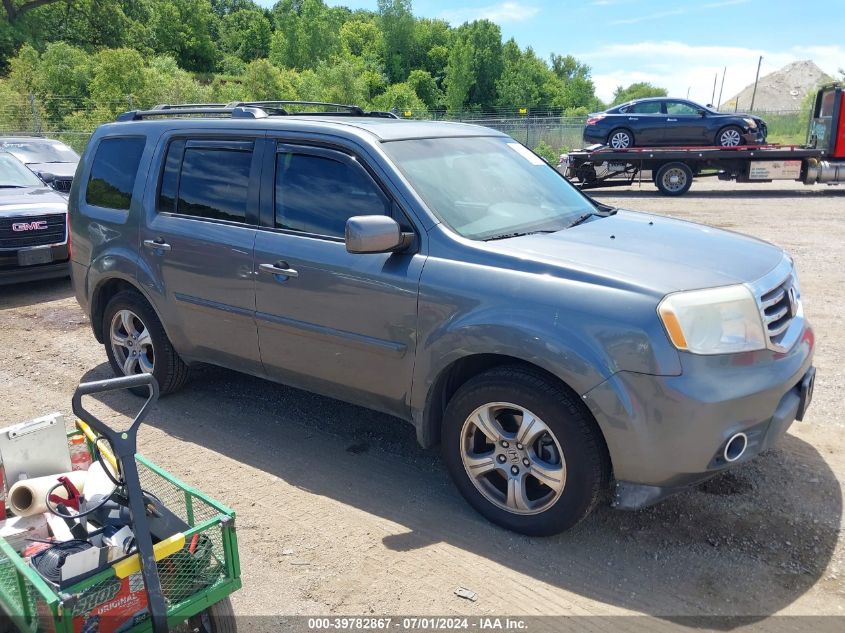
679	11
498	13
679	67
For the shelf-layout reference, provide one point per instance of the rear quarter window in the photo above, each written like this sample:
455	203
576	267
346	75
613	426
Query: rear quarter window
113	172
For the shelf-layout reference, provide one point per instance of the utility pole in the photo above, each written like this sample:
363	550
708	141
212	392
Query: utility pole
722	87
713	96
757	79
688	89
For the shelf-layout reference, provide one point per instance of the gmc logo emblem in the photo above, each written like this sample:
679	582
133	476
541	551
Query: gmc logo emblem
39	225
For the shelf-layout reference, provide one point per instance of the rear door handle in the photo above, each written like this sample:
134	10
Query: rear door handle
279	268
672	120
157	244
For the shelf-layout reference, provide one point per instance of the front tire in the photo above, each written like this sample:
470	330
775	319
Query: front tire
524	452
730	136
136	343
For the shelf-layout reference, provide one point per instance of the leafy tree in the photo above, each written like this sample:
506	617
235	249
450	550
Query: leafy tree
401	99
430	46
118	78
62	78
425	87
264	82
524	80
638	90
246	33
460	77
16	10
310	30
23	70
397	24
342	80
165	82
483	39
181	28
362	38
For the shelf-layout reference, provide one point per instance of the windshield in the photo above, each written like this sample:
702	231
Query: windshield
14	174
41	151
488	187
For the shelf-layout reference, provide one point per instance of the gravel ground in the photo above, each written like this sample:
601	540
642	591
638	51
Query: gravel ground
340	512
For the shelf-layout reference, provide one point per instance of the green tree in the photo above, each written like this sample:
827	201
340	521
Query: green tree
118	77
310	33
397	25
341	80
430	46
165	82
246	33
15	10
402	99
182	28
63	78
483	39
262	81
23	70
459	75
525	79
425	87
362	38
638	90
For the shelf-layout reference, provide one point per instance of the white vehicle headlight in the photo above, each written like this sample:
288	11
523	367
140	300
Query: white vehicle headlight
751	123
714	321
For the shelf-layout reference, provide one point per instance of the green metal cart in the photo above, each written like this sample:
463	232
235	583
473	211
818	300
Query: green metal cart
196	581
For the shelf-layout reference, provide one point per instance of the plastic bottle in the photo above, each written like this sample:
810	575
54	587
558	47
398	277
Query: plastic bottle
80	458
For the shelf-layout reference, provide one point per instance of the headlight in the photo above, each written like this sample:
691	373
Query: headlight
714	321
751	123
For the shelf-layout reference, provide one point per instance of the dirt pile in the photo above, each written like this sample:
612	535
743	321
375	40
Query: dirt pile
783	89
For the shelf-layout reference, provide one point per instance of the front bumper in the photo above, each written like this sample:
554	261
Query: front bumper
666	433
11	272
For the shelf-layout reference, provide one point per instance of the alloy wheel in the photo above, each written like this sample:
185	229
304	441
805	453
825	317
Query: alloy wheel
730	138
131	343
513	458
620	140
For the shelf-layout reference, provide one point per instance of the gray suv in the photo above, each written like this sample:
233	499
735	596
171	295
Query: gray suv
559	350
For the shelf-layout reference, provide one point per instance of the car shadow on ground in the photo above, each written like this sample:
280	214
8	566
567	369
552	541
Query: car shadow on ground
743	546
27	293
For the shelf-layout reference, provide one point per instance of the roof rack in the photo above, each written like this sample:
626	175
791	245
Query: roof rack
251	110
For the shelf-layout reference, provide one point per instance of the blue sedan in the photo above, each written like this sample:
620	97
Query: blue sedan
672	122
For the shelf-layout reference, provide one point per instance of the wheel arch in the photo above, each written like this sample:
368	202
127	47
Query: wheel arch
459	371
103	293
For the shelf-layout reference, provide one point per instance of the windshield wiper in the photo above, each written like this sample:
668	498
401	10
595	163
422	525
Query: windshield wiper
509	235
16	186
581	219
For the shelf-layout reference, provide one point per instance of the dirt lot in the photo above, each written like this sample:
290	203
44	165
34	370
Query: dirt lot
339	511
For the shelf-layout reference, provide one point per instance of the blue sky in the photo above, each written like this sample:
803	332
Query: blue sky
679	45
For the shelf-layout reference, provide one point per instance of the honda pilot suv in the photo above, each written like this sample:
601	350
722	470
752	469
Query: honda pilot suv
556	348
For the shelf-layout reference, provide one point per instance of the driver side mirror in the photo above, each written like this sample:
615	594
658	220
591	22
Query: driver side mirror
375	234
702	112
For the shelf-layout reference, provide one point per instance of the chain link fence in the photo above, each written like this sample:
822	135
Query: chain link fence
547	131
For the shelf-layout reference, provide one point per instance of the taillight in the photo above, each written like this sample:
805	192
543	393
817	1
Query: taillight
594	119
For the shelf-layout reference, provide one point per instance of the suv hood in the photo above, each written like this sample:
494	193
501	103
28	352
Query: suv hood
30	201
655	252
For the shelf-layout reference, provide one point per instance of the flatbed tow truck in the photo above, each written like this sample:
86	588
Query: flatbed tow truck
672	169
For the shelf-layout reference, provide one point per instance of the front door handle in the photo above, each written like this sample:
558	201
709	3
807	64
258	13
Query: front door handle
675	120
157	244
279	268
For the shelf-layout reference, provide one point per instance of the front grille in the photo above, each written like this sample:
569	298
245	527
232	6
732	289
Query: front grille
54	233
778	307
62	184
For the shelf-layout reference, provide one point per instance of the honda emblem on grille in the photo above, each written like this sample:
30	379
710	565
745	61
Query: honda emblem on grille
793	301
38	225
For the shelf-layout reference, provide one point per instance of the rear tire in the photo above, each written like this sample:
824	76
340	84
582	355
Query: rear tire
136	343
674	179
542	487
620	138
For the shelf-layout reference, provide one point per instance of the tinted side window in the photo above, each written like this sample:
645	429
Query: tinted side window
317	195
678	107
170	176
213	183
113	172
649	107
